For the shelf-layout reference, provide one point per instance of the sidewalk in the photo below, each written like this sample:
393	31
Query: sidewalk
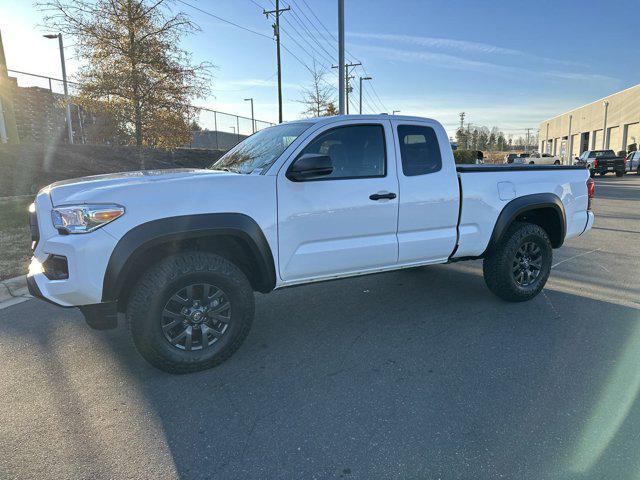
13	291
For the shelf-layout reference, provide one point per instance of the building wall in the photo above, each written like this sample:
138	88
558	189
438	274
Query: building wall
623	125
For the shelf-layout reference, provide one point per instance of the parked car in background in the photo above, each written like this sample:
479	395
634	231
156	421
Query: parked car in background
296	203
509	158
543	159
633	162
602	162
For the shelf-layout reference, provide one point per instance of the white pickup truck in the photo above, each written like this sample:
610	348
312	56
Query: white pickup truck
181	252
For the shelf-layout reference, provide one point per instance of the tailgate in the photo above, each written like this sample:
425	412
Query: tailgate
611	162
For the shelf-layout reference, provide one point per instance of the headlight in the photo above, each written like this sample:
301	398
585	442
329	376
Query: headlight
84	218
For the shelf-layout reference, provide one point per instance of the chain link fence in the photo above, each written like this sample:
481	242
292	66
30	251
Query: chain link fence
38	100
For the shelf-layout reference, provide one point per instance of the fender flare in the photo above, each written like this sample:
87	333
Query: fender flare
520	205
140	239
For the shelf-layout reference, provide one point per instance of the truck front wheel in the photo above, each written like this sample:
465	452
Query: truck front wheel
190	311
518	266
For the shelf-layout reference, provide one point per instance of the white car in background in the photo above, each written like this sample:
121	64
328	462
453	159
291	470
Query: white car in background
543	159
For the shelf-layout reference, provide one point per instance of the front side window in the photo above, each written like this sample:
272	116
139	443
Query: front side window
419	150
356	151
260	150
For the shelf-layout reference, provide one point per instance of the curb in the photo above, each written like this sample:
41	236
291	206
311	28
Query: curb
13	288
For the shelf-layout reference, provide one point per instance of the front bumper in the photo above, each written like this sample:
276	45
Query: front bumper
87	256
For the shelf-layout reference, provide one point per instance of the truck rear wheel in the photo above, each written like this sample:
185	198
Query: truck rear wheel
517	268
190	311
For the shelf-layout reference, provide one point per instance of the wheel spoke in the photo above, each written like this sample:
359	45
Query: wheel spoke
178	299
204	330
169	314
189	290
189	337
217	293
171	325
175	340
221	308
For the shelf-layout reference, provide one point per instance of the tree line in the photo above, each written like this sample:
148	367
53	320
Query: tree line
491	139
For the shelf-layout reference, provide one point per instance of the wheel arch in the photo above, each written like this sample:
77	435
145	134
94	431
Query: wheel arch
234	235
543	209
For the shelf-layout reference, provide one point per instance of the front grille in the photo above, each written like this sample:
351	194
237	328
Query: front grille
33	228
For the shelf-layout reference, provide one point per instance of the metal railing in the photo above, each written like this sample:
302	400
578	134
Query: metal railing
216	129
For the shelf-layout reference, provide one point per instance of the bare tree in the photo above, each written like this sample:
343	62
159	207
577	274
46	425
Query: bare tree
133	69
318	98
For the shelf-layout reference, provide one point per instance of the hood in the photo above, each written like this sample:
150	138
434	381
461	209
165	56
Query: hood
73	190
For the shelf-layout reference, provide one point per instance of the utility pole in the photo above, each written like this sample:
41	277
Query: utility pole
526	145
347	77
64	83
361	79
462	114
8	128
253	119
342	75
276	32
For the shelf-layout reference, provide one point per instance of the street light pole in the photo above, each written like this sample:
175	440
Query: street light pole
64	83
342	77
253	119
361	79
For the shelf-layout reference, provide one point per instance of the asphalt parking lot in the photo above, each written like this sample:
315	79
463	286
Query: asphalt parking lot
417	374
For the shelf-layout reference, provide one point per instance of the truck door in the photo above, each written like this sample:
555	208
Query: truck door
429	192
344	222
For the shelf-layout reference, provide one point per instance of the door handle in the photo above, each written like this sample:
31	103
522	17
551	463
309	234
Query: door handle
380	196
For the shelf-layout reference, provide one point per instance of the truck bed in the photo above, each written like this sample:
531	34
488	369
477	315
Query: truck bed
508	167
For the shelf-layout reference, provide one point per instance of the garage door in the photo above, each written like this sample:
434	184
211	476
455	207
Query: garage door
615	139
575	145
633	133
597	140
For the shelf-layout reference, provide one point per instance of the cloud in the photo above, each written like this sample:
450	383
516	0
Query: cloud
460	63
458	45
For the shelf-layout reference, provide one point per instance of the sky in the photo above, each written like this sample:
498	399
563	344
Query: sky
509	64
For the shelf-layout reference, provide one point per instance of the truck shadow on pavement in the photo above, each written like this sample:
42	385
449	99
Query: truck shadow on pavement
411	374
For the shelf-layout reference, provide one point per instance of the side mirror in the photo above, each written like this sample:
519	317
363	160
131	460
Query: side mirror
310	166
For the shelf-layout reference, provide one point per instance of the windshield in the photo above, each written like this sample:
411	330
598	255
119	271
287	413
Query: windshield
603	153
261	149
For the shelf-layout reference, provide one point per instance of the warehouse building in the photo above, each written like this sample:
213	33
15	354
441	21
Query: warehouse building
612	123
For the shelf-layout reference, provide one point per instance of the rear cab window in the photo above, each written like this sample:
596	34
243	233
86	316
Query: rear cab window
419	150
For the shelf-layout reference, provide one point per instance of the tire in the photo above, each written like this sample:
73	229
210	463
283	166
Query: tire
200	298
531	163
557	162
602	174
499	265
619	174
638	171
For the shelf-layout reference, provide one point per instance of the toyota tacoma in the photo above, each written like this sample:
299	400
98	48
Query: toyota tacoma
181	252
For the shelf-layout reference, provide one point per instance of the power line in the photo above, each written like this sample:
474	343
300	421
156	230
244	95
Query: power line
312	26
319	50
305	38
225	20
